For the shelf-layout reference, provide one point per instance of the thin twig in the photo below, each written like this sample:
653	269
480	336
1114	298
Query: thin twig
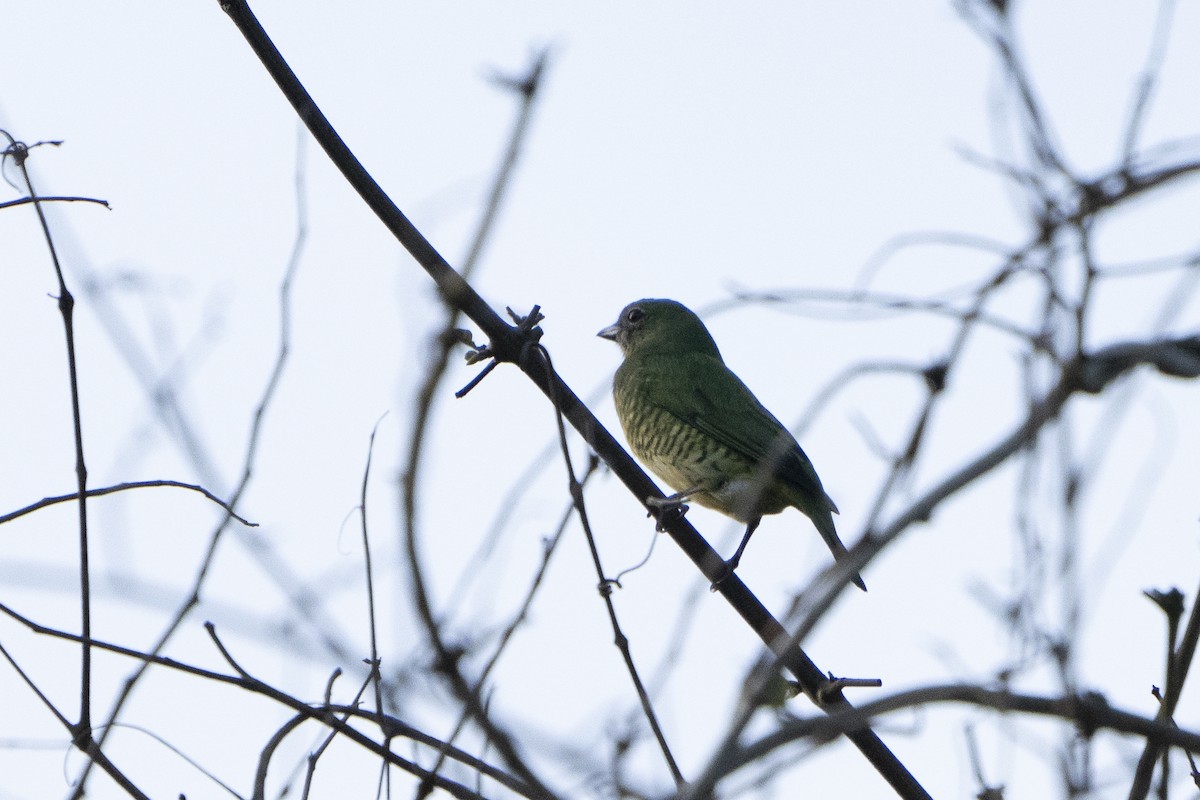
54	199
519	618
605	585
315	756
1148	80
1179	663
182	755
121	487
82	730
88	746
371	619
331	716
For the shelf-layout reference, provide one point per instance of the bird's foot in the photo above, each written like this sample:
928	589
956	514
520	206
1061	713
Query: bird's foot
726	573
662	507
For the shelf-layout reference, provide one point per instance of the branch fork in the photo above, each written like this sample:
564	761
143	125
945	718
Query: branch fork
511	348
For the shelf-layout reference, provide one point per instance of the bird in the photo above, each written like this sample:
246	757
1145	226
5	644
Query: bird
693	422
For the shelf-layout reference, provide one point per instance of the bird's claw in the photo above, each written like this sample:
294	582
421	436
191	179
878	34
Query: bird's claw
726	573
660	507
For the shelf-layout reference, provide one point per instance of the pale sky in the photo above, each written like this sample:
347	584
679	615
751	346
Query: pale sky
677	150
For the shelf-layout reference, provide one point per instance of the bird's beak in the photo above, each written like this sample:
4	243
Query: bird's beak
610	333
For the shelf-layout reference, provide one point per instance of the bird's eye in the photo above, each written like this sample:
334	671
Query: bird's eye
634	315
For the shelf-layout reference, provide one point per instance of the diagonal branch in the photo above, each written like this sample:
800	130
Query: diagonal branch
467	691
507	344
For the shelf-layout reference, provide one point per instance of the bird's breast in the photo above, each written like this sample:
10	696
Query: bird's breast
689	460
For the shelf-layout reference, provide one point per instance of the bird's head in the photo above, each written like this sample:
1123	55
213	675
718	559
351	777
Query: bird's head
659	327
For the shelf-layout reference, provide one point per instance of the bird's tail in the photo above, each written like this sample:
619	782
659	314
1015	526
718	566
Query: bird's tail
824	525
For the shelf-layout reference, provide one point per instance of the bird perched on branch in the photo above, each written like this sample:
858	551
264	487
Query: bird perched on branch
696	426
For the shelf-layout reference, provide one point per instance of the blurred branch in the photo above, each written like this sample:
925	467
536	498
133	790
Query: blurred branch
861	301
1069	210
551	545
519	485
993	24
279	573
1178	358
987	791
162	387
1062	211
329	715
446	660
1089	711
1149	78
1090	373
326	713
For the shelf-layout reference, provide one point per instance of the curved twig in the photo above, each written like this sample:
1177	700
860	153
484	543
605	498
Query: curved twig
121	487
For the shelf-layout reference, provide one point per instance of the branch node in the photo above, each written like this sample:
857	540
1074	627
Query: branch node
526	334
483	373
935	376
1170	601
447	661
833	687
1090	708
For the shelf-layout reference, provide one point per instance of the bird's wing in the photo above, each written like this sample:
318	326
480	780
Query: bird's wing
701	391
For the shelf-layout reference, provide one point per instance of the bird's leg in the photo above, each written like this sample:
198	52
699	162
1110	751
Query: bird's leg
733	562
737	556
661	506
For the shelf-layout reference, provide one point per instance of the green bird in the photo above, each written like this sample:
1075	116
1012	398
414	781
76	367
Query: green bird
696	426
